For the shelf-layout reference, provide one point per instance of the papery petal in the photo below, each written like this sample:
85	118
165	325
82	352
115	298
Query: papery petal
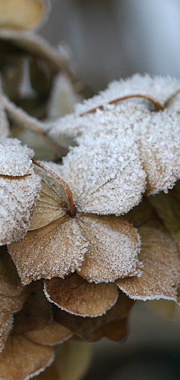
79	297
50	335
113	248
22	359
161	272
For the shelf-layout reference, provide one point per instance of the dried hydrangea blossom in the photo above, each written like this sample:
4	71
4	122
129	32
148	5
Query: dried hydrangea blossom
19	189
70	236
87	240
31	13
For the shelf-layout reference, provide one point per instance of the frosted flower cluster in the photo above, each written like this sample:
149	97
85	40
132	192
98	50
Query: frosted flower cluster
83	239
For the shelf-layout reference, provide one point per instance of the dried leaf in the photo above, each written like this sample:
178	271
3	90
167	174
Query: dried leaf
87	327
143	215
116	331
113	248
15	159
22	359
50	335
12	304
6	321
22	14
161	273
79	297
36	312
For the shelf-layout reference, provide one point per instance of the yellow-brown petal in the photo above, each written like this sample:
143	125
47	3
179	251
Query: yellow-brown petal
49	207
161	273
113	248
54	250
22	14
22	358
77	296
50	335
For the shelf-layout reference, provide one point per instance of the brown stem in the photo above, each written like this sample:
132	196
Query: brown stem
65	186
158	106
32	123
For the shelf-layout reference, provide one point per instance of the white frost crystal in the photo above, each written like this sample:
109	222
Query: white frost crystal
19	188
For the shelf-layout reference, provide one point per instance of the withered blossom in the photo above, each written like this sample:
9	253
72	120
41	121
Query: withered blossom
95	241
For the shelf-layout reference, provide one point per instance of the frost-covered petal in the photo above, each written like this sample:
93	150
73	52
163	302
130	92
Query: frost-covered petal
113	248
79	297
104	177
159	146
51	251
18	196
15	159
22	14
10	284
22	359
161	272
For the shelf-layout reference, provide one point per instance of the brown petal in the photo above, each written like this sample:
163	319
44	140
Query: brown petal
79	297
50	335
22	358
10	284
22	14
49	207
113	248
6	321
36	312
54	250
161	274
85	327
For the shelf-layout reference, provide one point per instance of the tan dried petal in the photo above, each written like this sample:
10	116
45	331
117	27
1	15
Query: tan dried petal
21	358
143	215
22	14
50	335
49	208
85	327
113	248
161	272
79	297
36	312
6	321
52	251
